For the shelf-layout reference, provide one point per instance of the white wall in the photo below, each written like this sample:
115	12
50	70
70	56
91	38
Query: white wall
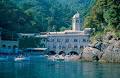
8	46
60	44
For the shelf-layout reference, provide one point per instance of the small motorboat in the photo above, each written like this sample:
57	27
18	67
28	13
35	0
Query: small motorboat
22	58
57	58
60	58
37	56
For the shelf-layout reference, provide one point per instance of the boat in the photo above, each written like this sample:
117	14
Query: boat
37	56
22	58
60	58
57	58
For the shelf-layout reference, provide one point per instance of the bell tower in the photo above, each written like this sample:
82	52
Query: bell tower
76	22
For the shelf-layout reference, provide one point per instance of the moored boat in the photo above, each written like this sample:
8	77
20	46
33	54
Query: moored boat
56	58
22	58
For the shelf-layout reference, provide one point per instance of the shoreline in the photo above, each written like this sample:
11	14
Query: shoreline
76	58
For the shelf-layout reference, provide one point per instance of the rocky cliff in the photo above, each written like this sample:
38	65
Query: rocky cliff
106	49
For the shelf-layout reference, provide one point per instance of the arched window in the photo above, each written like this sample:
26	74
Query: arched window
77	20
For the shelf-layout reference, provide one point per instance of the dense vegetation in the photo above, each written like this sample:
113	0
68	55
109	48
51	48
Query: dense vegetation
40	15
104	17
55	15
12	18
30	42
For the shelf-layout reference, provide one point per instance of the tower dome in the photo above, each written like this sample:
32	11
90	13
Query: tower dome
76	22
77	15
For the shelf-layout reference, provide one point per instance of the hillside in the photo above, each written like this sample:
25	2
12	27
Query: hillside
104	17
41	15
105	41
13	18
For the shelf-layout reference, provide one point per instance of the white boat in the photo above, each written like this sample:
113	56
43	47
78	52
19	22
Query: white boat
60	58
21	58
37	56
57	58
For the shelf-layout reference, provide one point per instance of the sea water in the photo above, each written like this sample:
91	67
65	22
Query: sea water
43	68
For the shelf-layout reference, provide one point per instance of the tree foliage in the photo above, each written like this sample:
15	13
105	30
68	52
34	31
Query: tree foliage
105	15
40	15
12	18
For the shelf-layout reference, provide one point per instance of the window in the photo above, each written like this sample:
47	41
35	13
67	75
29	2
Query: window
84	40
67	40
75	46
69	46
77	21
81	47
88	40
79	40
63	47
52	40
75	40
58	40
54	47
59	47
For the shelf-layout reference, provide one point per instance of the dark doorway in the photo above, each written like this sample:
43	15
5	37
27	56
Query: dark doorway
51	53
62	52
73	53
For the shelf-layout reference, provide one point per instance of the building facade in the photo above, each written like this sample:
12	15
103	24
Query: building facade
68	41
8	45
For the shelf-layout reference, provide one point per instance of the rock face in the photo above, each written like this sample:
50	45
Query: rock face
107	50
90	54
112	52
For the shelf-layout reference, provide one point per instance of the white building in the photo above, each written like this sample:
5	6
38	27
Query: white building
68	41
8	46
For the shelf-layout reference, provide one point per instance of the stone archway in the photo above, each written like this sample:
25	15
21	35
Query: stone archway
73	53
51	53
62	52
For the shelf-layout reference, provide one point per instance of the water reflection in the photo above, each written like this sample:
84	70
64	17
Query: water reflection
50	69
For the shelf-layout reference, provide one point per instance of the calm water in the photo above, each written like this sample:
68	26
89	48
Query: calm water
49	69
